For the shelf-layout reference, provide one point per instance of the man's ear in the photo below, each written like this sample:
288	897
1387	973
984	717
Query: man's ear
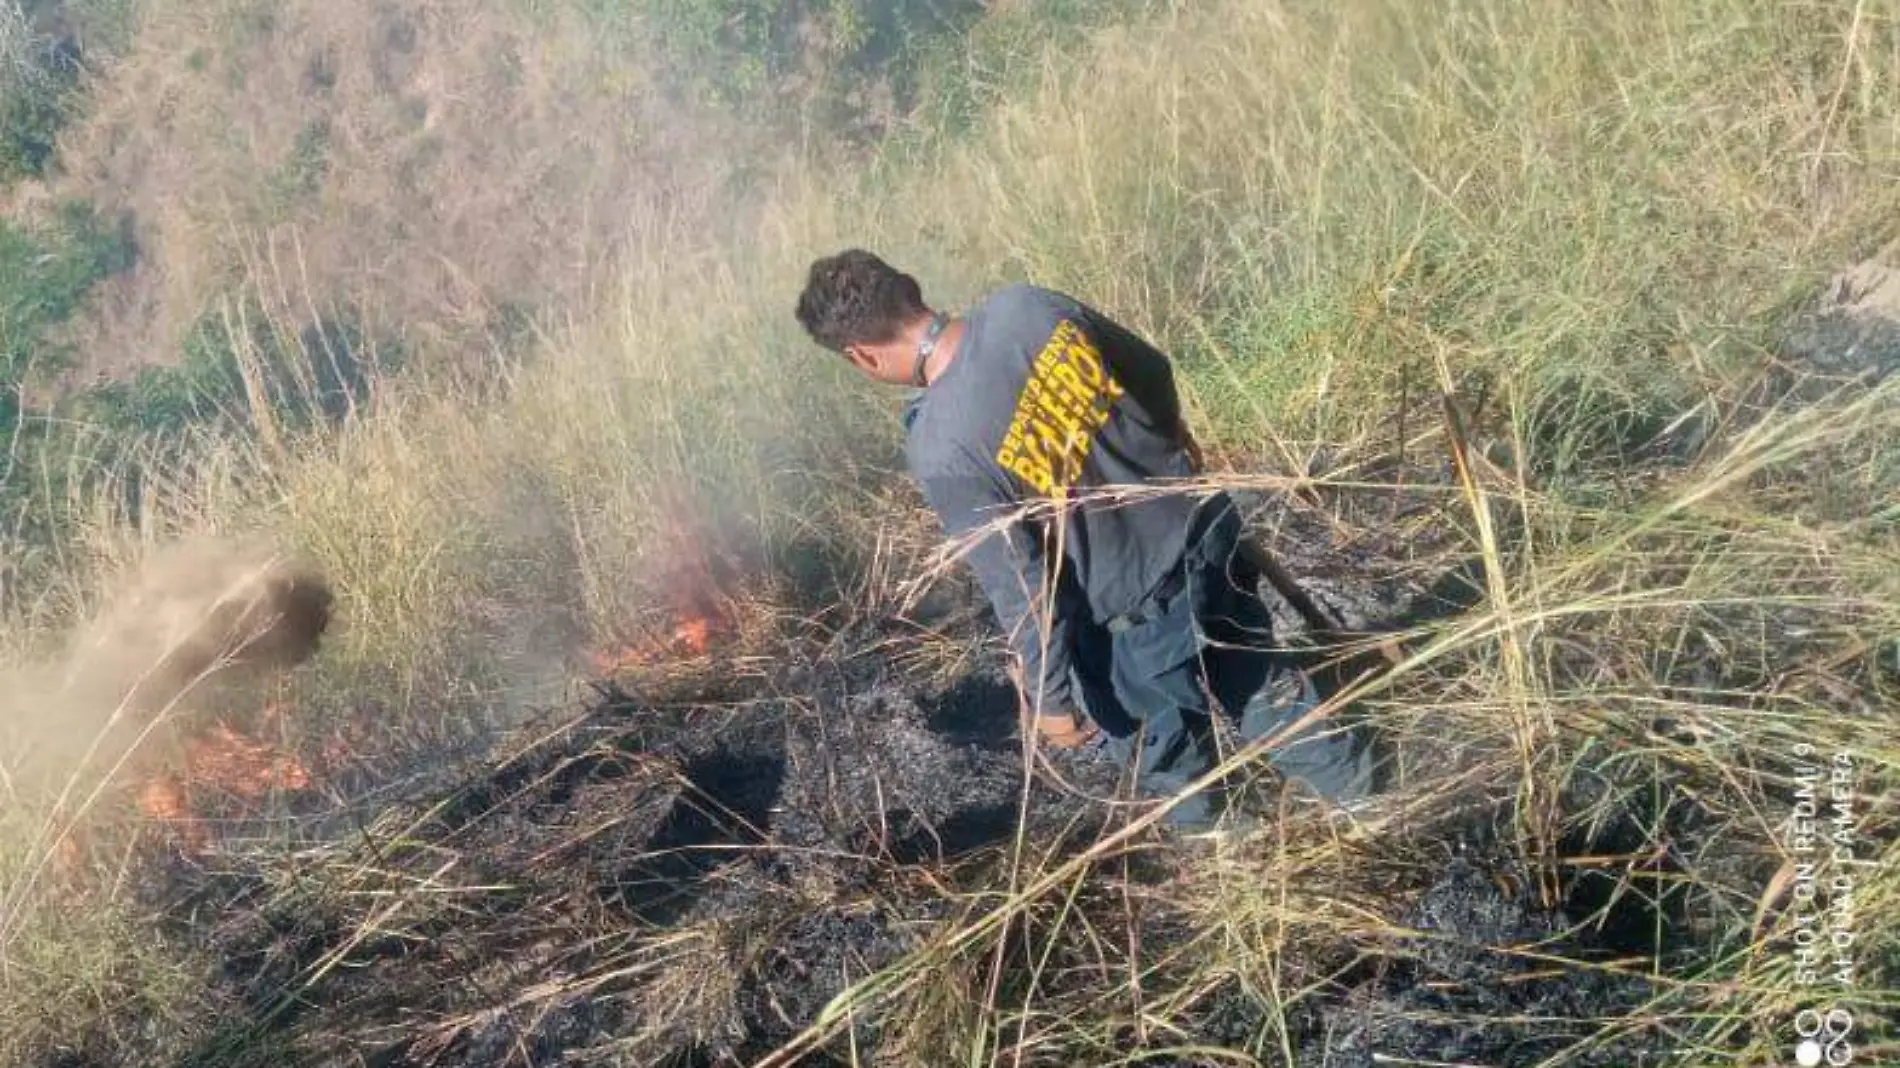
861	358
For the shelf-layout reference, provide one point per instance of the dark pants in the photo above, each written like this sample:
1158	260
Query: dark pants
1157	686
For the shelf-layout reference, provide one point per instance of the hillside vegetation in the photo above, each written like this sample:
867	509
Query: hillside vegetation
485	308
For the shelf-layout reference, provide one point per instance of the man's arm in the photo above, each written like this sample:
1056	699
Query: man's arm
1016	574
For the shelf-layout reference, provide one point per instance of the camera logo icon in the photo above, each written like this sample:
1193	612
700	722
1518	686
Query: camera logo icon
1824	1038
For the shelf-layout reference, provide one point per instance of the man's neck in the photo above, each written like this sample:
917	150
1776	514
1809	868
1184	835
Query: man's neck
948	344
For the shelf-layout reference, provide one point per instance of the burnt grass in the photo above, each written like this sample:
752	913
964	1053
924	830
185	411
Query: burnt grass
690	882
688	876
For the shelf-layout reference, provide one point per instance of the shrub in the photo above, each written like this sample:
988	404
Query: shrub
38	80
45	274
305	378
847	64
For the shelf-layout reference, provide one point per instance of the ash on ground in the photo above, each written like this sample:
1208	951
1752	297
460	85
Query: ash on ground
691	879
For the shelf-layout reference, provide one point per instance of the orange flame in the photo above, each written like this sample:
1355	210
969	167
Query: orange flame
224	760
694	635
692	578
163	800
242	766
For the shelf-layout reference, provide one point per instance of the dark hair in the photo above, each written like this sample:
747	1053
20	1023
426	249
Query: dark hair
856	298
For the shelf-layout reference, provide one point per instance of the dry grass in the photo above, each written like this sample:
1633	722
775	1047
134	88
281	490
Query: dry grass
1681	657
431	168
1309	206
1330	213
16	44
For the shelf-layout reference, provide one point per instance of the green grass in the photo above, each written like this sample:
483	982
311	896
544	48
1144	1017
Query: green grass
1415	180
80	961
1601	217
35	98
46	270
41	76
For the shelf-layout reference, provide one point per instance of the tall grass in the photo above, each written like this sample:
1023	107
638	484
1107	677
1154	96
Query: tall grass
1606	211
16	44
1306	203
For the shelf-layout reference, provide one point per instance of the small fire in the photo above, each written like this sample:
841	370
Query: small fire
242	766
693	579
163	800
693	635
222	760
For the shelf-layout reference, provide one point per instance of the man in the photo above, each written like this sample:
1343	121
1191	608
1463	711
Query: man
1045	434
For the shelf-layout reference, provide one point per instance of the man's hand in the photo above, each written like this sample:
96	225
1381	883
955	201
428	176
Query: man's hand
1066	730
1063	728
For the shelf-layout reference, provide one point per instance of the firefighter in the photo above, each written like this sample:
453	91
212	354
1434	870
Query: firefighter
1046	435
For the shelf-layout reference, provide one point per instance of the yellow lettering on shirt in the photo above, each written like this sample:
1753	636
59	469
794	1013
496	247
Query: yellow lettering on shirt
1065	403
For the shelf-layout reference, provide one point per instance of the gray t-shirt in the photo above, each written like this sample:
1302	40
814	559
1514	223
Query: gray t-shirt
1049	400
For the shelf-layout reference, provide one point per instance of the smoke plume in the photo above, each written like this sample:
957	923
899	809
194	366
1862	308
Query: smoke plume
194	617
